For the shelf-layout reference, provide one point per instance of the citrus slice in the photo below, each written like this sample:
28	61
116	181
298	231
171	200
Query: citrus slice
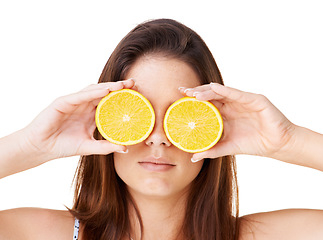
193	125
125	117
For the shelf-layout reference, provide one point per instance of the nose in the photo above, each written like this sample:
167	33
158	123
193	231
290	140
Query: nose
158	136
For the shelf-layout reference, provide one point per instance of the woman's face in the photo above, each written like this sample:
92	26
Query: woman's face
158	79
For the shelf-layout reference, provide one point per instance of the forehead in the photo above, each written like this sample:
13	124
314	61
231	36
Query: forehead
160	77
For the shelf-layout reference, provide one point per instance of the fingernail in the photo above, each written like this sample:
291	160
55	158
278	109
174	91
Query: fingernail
126	151
123	81
195	93
180	88
188	89
196	160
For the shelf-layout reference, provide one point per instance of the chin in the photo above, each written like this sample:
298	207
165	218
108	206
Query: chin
157	188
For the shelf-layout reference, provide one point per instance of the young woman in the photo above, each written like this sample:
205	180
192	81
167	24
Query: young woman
116	196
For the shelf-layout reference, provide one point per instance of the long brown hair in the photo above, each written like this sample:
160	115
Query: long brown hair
101	198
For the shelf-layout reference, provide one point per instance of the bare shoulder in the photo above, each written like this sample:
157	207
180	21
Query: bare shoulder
36	223
283	224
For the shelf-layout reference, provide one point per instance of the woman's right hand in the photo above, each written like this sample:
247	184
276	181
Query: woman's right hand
65	128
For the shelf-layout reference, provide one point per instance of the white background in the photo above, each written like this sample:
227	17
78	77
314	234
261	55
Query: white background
53	48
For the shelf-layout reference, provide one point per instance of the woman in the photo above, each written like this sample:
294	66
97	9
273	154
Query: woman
196	198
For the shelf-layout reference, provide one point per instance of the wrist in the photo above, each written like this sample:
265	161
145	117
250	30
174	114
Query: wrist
29	148
18	154
292	147
304	148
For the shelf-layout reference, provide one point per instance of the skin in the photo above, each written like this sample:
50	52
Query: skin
253	126
159	194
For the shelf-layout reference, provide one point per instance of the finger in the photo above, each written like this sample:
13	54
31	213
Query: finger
129	83
96	86
232	94
207	95
190	91
112	86
96	102
100	147
218	105
219	150
70	102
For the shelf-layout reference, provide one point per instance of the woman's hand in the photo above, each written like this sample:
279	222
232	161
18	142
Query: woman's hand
252	124
65	128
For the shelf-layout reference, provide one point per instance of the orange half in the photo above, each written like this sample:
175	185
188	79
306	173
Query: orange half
192	125
125	117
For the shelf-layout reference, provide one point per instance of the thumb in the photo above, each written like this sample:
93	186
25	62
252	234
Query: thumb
219	150
101	147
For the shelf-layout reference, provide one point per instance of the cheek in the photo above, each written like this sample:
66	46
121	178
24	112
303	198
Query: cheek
122	168
191	170
125	163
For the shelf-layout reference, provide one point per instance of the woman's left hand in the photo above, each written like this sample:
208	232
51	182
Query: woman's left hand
252	124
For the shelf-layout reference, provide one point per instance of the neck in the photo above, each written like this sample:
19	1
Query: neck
162	218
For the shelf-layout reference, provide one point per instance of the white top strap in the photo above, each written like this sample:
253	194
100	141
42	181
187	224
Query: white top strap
76	229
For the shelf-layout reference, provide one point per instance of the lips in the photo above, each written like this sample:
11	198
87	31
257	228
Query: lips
156	164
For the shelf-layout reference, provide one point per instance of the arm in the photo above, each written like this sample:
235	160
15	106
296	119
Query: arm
65	128
16	156
36	224
295	224
305	148
254	126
